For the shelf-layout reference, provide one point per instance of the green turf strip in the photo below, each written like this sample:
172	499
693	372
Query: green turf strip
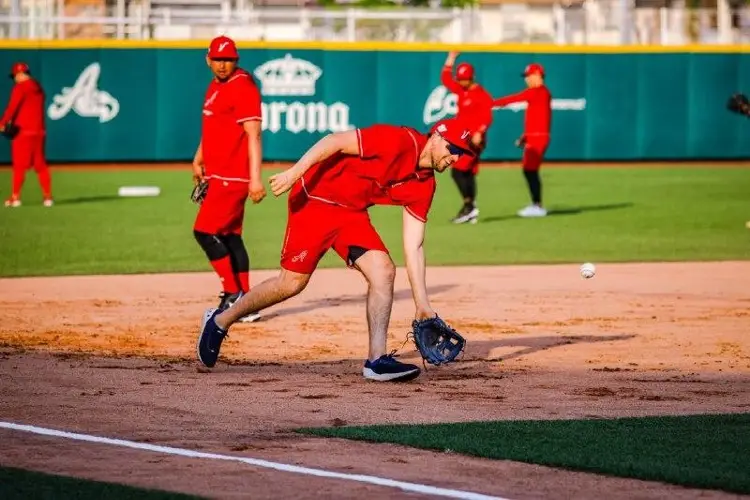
24	485
703	451
597	215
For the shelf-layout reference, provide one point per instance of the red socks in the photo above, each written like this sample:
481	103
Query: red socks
244	280
45	182
223	268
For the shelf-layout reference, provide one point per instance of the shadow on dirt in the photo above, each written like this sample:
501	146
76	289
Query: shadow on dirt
340	300
480	350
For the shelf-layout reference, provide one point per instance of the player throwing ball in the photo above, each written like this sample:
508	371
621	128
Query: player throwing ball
535	137
475	110
226	168
330	189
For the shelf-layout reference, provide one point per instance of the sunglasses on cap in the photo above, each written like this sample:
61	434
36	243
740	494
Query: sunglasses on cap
455	150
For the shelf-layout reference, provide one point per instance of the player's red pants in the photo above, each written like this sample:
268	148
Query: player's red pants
533	152
223	208
28	151
315	226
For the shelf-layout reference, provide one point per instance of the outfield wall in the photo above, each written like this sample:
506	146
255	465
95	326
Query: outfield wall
121	101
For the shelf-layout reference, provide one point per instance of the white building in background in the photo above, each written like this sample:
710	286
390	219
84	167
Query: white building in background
601	22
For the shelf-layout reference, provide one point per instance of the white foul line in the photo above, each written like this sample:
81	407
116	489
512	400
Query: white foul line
361	478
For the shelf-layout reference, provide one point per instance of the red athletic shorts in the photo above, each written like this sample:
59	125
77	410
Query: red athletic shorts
223	208
314	226
533	152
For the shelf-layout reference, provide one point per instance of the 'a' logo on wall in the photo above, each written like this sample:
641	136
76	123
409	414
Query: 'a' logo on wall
84	98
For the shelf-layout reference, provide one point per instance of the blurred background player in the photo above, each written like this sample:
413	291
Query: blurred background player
25	111
229	159
536	133
475	111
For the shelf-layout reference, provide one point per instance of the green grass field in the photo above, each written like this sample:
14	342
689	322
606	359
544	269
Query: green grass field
703	451
597	214
19	484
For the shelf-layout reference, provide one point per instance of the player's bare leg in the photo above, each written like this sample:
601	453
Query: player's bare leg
380	272
216	323
265	294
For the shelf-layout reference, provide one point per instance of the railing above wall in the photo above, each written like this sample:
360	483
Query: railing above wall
607	22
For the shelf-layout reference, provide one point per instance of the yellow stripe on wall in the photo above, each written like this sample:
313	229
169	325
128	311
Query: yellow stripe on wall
373	46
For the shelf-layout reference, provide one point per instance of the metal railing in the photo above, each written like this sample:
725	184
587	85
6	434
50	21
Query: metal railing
605	22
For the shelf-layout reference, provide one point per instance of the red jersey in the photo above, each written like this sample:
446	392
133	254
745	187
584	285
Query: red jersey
226	107
384	173
474	104
26	108
539	111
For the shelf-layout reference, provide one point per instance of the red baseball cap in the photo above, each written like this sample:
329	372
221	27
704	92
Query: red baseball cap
19	67
533	68
454	131
222	47
465	71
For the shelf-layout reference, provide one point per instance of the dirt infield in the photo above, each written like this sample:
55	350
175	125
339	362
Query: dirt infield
114	356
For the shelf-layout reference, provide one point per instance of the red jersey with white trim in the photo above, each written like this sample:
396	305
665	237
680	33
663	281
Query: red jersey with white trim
474	104
226	107
384	173
538	117
26	108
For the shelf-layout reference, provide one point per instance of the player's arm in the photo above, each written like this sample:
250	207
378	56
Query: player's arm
446	74
14	104
483	116
414	231
249	114
346	142
523	96
255	154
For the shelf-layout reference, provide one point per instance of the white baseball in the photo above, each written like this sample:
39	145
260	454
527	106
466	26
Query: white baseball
588	270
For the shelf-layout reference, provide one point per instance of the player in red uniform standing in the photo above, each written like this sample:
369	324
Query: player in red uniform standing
536	133
26	112
475	110
332	186
229	159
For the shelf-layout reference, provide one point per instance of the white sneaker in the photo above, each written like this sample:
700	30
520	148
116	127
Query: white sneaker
48	202
250	318
532	211
466	215
13	203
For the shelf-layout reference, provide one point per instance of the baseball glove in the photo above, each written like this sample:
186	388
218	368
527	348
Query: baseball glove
199	192
739	103
437	342
9	130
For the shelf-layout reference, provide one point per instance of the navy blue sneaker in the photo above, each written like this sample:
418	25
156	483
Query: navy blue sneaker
210	338
387	369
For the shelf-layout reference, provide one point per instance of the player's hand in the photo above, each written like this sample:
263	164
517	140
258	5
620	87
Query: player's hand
257	191
424	312
452	56
476	139
282	182
197	173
